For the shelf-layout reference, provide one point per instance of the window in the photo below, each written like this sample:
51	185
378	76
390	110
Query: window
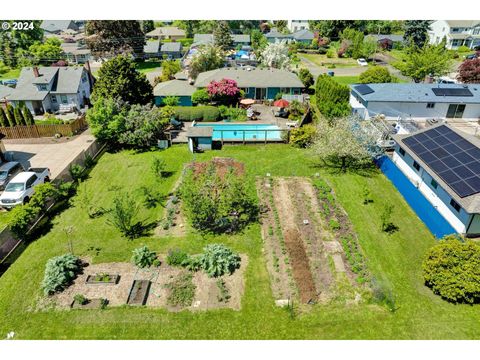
416	166
434	184
54	99
455	205
476	31
401	151
455	29
430	105
42	87
285	90
31	180
64	99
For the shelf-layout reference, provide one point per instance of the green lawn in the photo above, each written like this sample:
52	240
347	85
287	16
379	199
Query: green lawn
12	74
148	66
393	259
347	80
324	61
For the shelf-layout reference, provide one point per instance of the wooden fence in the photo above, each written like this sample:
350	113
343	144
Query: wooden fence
38	131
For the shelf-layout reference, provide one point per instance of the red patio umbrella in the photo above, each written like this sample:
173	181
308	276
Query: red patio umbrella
281	103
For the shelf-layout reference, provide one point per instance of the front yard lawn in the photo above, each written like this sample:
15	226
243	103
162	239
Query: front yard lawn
393	259
148	66
323	61
12	74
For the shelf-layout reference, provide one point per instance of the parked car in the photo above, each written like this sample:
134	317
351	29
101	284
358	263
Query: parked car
362	62
21	188
471	56
7	171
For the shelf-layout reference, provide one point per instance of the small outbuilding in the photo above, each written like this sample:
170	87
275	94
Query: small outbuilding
199	138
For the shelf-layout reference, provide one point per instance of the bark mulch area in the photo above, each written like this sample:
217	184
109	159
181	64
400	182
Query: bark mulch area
206	293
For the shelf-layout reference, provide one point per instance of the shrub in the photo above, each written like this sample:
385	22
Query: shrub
217	260
218	203
177	257
306	77
232	113
452	269
182	290
200	97
376	74
193	262
386	218
123	214
80	299
158	166
334	224
303	137
224	294
197	113
171	100
21	218
143	257
77	172
59	273
332	98
43	193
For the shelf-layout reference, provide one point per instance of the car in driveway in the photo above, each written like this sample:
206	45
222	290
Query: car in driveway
21	188
8	170
362	62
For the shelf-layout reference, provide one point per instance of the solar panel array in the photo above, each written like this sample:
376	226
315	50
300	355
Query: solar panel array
452	92
454	159
364	89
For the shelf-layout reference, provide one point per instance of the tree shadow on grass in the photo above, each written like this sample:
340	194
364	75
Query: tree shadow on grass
365	170
141	229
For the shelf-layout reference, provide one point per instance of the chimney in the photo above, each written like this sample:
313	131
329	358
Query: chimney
35	72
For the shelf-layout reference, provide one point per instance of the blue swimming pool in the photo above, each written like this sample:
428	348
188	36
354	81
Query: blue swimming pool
240	132
422	207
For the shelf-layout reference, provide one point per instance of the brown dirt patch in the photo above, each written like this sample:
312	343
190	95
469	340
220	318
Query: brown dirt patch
222	166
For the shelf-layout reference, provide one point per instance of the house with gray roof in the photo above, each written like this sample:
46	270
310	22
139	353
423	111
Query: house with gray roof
443	165
416	101
58	26
4	92
303	36
76	53
151	49
178	88
237	39
171	50
46	89
457	33
166	32
274	36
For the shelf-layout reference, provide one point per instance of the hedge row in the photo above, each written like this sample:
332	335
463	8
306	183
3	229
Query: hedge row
197	113
332	98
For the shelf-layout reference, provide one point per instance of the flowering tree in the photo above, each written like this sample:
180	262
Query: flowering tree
224	91
469	71
276	56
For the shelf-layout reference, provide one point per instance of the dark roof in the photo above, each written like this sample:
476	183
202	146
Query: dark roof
151	47
452	158
54	26
420	93
171	47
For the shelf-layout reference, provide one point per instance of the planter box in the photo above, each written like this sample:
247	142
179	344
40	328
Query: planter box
91	304
139	292
114	279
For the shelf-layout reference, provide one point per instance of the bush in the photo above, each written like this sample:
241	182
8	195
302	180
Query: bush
232	113
80	299
60	272
21	218
197	113
143	257
332	98
123	214
43	193
171	101
193	262
182	290
200	97
177	257
303	137
376	74
77	172
217	260
452	269
463	48
218	203
158	166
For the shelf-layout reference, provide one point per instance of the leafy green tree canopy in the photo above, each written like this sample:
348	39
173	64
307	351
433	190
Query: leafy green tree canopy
221	36
376	74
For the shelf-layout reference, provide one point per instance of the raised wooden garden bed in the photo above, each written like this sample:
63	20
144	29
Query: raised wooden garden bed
139	292
91	304
105	279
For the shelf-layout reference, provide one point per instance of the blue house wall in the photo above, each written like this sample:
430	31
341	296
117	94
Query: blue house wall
183	100
443	195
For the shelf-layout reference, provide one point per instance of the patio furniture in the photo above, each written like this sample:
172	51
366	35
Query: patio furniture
176	124
247	101
292	123
281	113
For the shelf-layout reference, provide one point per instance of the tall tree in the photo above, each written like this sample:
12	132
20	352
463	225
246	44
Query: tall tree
243	26
259	41
222	36
431	60
27	115
15	40
119	79
147	26
47	51
208	57
281	25
169	69
19	120
276	56
416	31
331	28
469	71
10	115
105	37
3	118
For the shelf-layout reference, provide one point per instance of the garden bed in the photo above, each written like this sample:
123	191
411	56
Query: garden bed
90	304
139	292
105	279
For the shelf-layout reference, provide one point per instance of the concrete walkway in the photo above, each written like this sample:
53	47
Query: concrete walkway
57	157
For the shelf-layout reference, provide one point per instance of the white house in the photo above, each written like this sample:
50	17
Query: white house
45	89
444	165
416	101
296	25
457	32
